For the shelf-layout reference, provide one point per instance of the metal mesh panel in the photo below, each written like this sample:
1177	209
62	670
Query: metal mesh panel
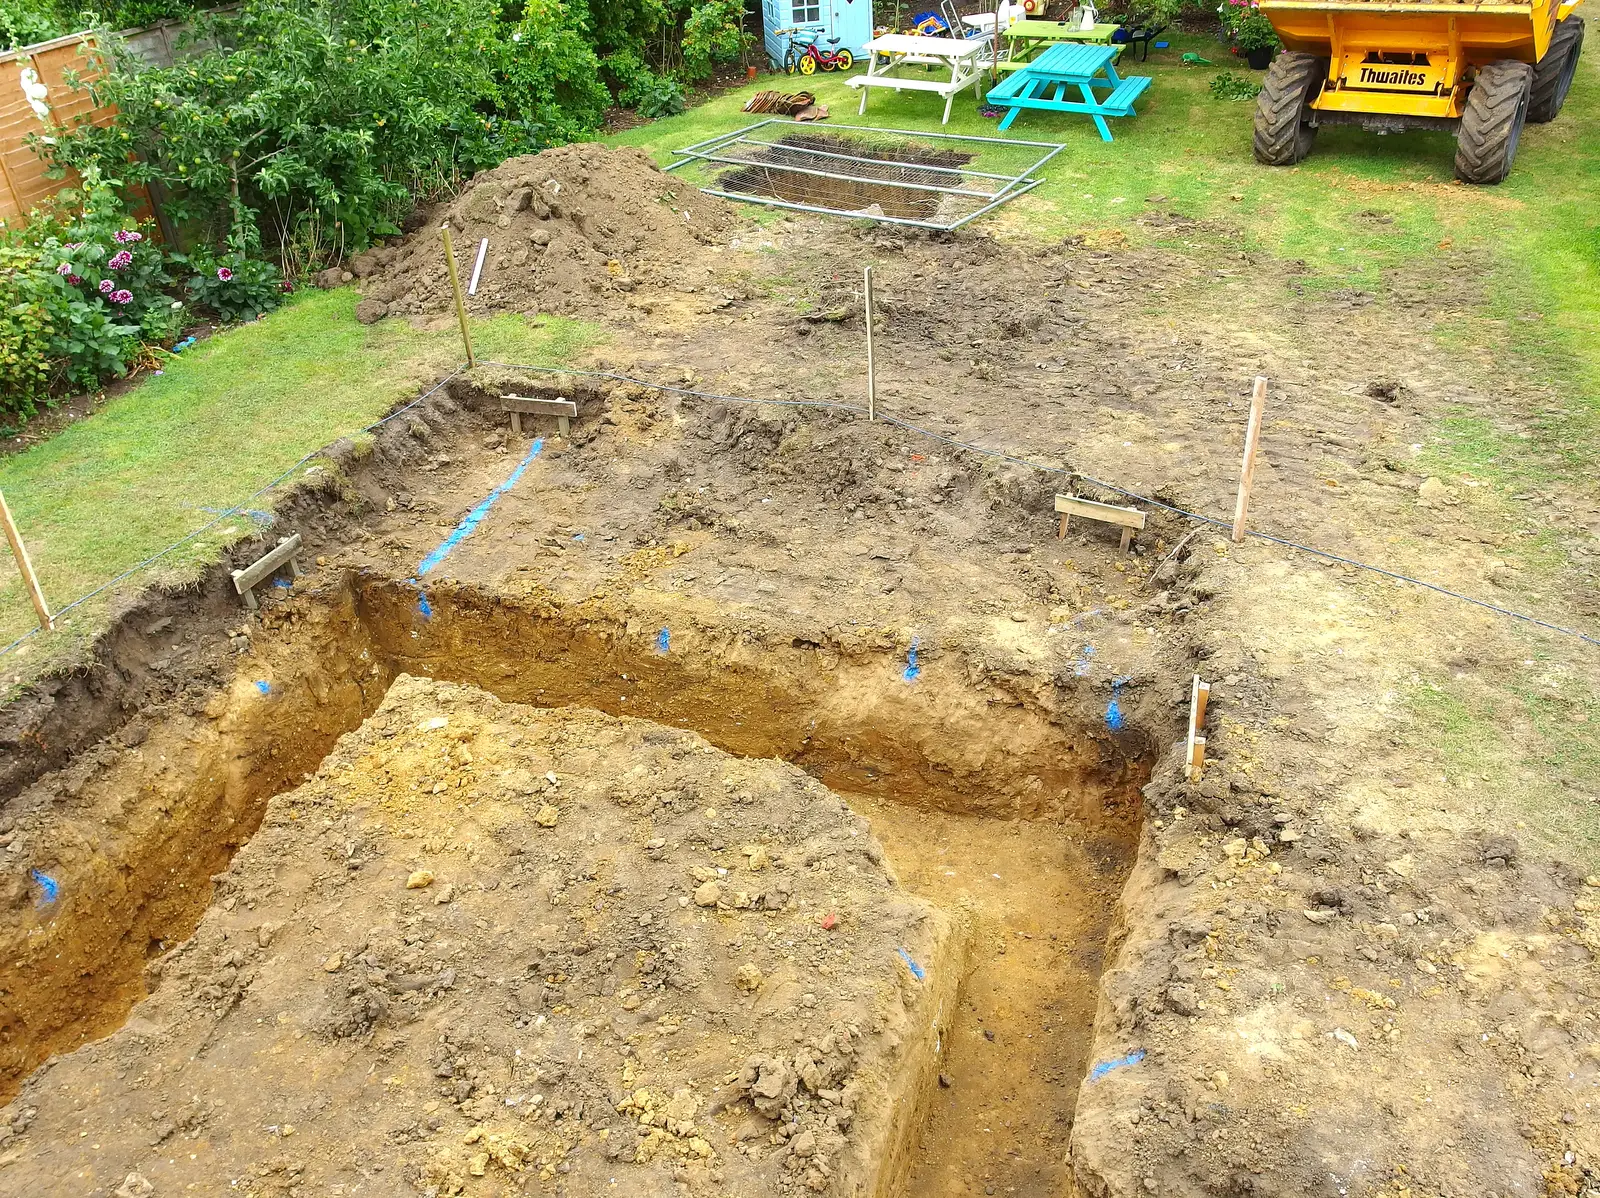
933	180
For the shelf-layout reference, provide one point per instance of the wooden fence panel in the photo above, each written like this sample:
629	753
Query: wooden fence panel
23	182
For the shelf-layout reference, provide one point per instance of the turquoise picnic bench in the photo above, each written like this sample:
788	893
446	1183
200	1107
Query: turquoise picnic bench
1044	83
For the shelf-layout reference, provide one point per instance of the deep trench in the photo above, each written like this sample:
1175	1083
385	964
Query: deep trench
857	188
979	758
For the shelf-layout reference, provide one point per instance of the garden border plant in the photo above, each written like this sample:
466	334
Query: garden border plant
94	295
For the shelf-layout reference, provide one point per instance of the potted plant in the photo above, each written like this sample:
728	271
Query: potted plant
1251	33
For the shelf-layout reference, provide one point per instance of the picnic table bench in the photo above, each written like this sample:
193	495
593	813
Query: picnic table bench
1028	37
963	58
1044	84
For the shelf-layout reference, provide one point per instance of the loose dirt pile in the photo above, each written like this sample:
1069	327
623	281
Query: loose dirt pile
489	944
570	231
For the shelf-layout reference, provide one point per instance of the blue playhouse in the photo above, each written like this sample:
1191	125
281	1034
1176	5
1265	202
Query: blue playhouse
848	20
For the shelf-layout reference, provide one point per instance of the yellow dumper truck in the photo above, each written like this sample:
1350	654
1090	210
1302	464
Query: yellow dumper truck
1480	70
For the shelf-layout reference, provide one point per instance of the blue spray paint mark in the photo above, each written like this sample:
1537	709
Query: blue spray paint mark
1083	616
48	885
1082	668
578	536
1113	710
475	517
664	640
424	608
1105	1067
282	582
913	670
916	970
264	687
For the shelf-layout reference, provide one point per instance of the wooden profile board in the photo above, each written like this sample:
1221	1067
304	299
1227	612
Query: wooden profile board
1131	519
1195	757
288	550
521	405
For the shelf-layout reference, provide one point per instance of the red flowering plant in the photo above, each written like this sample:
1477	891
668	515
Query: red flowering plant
1246	27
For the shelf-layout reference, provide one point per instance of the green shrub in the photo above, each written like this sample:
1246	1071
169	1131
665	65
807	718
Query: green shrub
1246	27
86	290
339	114
712	32
25	338
640	88
1229	86
234	287
23	22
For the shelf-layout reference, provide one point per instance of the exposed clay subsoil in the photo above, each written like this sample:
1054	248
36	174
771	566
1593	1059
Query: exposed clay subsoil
1344	973
570	230
493	942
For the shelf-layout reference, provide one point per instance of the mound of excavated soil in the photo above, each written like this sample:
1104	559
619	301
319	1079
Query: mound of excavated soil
570	231
492	949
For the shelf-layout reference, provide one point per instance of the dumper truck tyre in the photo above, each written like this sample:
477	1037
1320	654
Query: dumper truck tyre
1283	133
1491	125
1552	78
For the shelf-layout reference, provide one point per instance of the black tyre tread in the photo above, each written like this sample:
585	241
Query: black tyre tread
1552	78
1281	138
1492	122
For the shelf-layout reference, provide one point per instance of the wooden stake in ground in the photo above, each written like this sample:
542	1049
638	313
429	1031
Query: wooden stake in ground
1194	758
29	579
1247	467
872	383
455	287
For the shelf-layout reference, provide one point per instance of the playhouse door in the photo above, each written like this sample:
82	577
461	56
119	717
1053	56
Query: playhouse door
851	23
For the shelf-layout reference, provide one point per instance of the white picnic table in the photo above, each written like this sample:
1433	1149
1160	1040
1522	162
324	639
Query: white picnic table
960	56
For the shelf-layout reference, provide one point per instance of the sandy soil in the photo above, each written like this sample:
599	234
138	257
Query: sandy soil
523	946
1336	965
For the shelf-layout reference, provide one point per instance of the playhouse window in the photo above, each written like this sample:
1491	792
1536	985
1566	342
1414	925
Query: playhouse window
808	14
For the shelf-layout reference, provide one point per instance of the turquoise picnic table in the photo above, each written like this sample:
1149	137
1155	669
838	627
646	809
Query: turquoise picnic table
1044	83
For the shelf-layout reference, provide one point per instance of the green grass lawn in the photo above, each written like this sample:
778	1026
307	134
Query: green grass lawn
222	421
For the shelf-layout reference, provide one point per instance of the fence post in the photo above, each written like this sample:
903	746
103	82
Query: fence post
1247	467
872	382
455	287
29	579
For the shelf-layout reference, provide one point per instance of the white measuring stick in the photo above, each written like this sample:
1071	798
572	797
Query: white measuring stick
477	267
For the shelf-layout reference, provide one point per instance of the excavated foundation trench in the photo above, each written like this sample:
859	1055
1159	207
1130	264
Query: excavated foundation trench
991	796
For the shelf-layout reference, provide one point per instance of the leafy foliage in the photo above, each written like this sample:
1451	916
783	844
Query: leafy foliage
25	336
1229	86
83	282
24	22
236	288
640	88
87	290
1246	27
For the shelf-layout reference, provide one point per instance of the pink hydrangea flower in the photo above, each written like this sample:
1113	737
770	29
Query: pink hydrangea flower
64	269
224	274
74	279
121	297
106	286
120	259
127	236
